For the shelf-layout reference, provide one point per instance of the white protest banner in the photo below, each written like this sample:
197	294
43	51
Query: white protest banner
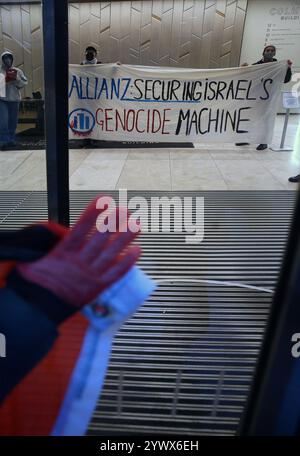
139	103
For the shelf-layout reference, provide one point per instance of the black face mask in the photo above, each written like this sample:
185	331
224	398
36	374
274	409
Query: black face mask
8	61
268	56
90	55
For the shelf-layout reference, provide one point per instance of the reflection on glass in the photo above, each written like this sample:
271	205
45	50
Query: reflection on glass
22	158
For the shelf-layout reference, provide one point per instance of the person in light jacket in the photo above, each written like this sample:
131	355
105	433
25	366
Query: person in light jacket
12	80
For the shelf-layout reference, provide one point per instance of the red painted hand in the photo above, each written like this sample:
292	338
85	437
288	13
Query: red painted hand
85	261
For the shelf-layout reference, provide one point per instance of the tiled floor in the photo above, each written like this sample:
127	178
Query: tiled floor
207	167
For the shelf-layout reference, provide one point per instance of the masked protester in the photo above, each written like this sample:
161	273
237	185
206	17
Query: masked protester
90	59
12	79
90	56
269	53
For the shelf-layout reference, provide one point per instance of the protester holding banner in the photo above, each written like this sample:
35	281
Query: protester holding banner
138	103
269	53
90	56
90	59
13	79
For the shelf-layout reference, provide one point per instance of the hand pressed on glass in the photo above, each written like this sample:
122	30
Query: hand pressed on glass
85	261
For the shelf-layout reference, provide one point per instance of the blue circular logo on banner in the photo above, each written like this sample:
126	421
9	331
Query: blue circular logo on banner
81	121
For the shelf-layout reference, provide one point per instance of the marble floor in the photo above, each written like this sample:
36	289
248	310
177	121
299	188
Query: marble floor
207	167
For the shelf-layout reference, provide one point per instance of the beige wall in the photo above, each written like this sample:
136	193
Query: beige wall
21	33
200	34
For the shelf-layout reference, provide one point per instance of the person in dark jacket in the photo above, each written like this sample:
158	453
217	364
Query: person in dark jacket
269	53
48	274
90	59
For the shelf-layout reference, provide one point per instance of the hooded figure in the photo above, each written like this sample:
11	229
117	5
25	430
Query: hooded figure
12	79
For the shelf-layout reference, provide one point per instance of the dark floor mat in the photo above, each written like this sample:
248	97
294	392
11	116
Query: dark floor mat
184	362
25	141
